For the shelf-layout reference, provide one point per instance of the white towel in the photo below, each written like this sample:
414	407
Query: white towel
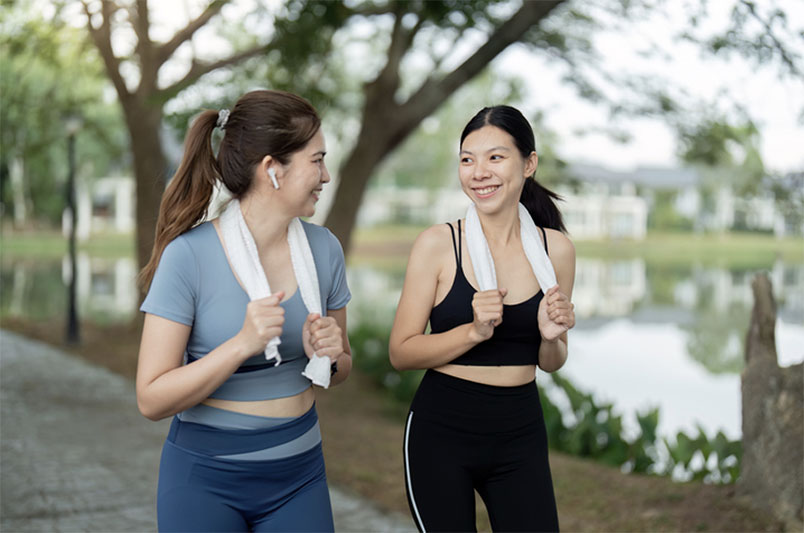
245	259
483	262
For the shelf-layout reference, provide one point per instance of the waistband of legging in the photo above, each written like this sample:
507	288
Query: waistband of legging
212	440
464	385
476	407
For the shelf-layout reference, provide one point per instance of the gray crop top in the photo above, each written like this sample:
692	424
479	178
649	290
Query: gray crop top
194	285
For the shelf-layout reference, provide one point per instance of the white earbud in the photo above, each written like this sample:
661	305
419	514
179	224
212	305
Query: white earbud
272	174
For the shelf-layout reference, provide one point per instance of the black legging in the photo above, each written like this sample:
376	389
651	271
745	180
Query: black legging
463	436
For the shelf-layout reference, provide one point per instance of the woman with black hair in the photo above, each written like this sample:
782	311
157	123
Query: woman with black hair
476	422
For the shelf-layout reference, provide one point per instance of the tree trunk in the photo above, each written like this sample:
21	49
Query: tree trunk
772	475
18	196
150	170
383	128
387	123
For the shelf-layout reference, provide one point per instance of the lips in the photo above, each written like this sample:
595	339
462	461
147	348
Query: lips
486	192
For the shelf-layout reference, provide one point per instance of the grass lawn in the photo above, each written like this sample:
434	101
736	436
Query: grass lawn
390	244
54	245
363	450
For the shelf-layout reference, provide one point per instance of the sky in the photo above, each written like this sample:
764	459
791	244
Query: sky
772	102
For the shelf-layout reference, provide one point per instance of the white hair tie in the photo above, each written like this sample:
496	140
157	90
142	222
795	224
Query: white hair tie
223	117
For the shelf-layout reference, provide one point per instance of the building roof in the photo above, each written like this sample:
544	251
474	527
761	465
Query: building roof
652	177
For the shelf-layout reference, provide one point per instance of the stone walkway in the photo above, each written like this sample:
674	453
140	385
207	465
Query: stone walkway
76	455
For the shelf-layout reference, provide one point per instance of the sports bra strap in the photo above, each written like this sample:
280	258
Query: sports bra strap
544	235
455	246
460	254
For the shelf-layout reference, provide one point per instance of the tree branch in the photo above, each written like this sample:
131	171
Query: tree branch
102	37
198	69
785	56
432	92
165	51
140	20
401	41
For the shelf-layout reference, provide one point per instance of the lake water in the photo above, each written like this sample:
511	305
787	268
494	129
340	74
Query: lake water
646	336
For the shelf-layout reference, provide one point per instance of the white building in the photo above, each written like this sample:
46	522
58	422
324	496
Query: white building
105	205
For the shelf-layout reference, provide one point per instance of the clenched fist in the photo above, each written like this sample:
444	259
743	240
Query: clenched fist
321	335
263	322
487	307
556	314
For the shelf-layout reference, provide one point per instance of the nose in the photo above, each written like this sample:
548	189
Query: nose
325	178
480	171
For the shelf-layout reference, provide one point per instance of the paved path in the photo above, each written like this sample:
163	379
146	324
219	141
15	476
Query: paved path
76	455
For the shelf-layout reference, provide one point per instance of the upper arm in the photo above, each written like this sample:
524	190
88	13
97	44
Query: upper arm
161	348
562	255
339	294
421	281
170	308
173	290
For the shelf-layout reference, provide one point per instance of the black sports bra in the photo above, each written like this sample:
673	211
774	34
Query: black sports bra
515	341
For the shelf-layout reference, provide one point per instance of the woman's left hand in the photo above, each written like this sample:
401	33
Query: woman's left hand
556	314
321	335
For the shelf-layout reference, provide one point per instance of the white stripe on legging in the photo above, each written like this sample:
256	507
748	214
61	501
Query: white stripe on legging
417	517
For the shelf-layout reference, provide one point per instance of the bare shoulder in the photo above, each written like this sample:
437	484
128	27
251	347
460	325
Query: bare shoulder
434	240
559	245
431	248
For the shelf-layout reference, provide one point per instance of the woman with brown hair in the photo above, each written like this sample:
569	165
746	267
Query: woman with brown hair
498	303
225	359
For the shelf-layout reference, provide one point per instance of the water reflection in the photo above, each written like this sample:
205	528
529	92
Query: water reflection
35	289
648	334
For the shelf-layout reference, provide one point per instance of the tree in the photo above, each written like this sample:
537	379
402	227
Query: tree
386	121
143	99
455	39
388	117
46	62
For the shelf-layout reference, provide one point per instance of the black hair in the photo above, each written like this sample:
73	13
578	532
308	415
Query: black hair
538	200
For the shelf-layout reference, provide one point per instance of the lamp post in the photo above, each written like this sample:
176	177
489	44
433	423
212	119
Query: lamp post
73	124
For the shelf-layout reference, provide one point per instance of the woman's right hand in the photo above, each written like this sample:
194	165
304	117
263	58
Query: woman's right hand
487	307
263	322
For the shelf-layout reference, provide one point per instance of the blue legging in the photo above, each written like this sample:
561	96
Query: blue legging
201	492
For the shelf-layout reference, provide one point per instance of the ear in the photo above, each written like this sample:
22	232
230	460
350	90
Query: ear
266	163
531	163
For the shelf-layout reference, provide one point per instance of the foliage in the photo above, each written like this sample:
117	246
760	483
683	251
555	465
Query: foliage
49	74
731	148
663	215
716	338
788	192
370	345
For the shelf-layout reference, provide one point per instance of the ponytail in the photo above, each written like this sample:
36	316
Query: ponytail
263	122
541	204
187	196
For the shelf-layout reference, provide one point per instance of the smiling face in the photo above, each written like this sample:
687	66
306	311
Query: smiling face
303	178
492	170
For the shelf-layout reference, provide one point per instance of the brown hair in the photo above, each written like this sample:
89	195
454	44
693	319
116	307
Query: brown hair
261	123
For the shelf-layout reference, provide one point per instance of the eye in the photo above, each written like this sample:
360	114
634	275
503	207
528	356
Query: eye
466	160
496	157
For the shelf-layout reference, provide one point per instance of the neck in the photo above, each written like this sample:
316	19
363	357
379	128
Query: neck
500	227
268	225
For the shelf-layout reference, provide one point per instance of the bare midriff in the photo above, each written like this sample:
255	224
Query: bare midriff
499	376
291	406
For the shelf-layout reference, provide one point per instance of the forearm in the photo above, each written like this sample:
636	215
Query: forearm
433	350
189	385
552	355
344	369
